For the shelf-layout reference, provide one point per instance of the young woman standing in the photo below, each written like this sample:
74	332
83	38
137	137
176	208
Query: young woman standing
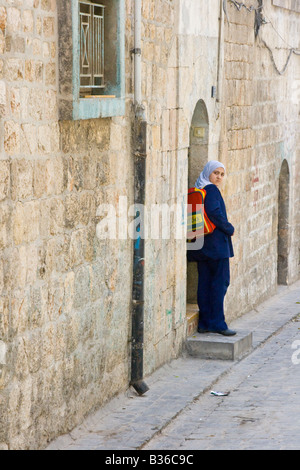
213	258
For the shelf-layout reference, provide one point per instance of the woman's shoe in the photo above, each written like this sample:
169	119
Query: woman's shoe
227	332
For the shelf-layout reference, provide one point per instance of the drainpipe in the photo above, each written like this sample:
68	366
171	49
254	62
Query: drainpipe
139	155
221	51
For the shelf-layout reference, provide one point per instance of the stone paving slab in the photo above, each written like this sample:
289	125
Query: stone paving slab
129	421
216	346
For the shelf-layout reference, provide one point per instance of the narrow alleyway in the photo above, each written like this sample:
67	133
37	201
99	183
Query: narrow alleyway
261	412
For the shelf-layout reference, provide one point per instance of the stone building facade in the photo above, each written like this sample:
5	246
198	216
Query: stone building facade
220	80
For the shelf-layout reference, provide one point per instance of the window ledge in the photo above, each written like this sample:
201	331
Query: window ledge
96	107
98	97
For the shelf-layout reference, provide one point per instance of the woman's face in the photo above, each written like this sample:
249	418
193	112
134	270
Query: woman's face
217	176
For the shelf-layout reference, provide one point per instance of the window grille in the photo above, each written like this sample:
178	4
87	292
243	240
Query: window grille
91	47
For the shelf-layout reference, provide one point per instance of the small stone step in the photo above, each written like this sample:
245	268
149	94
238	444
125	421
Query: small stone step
216	346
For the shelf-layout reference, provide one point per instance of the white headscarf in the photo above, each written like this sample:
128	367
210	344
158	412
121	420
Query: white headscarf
203	179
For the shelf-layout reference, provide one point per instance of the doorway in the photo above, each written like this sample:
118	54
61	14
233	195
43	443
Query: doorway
283	225
197	159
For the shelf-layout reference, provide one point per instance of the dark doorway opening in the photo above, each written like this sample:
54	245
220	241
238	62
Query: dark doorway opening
198	157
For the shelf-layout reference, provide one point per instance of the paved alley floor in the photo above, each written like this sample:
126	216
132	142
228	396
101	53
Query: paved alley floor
261	411
178	412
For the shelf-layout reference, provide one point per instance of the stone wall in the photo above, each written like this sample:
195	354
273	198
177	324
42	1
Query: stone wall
261	128
165	322
65	295
65	310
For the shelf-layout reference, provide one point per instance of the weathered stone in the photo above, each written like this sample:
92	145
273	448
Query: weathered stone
13	23
4	179
12	138
26	222
2	98
48	27
65	295
3	18
22	179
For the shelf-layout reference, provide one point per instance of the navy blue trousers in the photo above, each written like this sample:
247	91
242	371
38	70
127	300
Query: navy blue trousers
214	279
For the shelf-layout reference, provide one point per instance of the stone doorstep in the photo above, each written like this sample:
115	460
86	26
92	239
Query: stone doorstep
216	346
212	345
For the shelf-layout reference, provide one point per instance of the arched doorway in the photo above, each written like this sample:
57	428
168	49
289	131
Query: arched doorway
283	224
198	157
199	134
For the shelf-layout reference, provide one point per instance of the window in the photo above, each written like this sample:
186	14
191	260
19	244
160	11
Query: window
91	58
91	25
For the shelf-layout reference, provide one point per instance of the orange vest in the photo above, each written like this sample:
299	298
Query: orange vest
198	223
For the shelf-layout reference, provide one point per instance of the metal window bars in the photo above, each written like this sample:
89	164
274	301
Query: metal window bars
91	26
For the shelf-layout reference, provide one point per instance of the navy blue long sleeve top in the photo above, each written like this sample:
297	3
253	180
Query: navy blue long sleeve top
217	245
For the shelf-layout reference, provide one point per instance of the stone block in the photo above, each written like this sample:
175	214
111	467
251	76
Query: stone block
3	351
15	102
57	216
5	225
26	222
3	18
216	346
30	70
14	69
32	102
50	105
12	137
28	21
81	288
239	34
48	27
72	213
28	139
44	139
156	137
4	179
2	98
22	179
13	20
172	87
50	74
240	16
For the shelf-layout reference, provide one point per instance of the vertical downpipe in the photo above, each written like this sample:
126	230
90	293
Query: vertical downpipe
139	155
220	52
